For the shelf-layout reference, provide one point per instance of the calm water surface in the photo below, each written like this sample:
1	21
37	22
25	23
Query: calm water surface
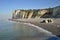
19	31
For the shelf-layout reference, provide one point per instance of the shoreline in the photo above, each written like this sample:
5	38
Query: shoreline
52	27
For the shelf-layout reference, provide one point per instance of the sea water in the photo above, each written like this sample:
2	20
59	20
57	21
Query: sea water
22	31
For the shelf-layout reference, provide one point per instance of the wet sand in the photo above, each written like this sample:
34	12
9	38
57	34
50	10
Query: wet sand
52	27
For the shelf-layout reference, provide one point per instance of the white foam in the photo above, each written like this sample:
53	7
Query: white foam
39	28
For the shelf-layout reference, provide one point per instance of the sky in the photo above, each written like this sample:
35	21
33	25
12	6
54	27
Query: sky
8	6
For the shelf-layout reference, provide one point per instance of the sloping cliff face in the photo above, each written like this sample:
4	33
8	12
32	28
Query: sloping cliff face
56	12
20	14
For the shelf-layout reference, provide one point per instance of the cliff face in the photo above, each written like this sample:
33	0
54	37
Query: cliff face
40	13
28	13
56	12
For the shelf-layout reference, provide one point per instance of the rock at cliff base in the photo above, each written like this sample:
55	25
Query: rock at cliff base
47	21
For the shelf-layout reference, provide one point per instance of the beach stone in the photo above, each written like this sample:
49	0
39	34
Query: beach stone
46	21
51	20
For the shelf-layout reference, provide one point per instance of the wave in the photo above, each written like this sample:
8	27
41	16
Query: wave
39	28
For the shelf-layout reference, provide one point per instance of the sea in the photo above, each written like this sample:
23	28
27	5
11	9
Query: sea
11	30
